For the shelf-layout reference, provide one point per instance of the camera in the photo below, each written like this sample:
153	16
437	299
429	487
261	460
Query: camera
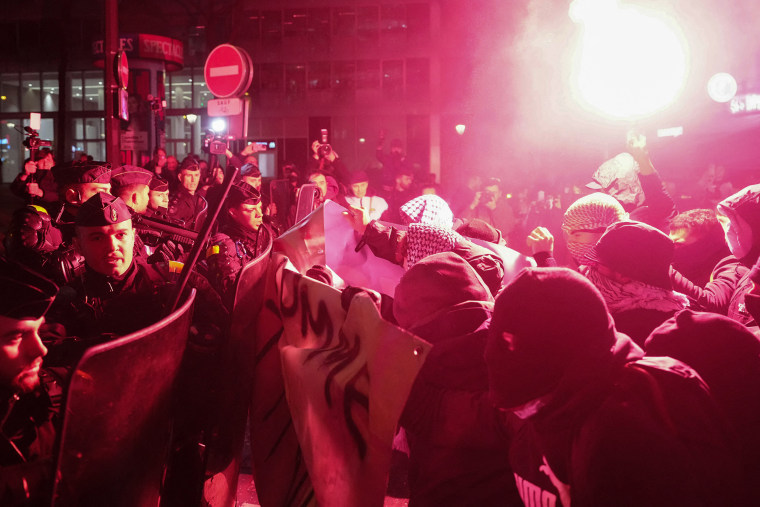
489	195
214	144
324	148
33	141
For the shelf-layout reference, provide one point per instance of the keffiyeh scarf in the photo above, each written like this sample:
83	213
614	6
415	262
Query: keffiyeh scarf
424	240
634	294
428	210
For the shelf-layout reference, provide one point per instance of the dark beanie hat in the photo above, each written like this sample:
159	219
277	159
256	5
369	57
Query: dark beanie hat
434	283
636	250
242	193
358	177
26	295
723	351
102	209
554	319
480	229
82	172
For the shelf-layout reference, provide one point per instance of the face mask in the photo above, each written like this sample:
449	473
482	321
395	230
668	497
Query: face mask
692	260
739	237
579	250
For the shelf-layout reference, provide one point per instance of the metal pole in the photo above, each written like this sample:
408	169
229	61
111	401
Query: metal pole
111	42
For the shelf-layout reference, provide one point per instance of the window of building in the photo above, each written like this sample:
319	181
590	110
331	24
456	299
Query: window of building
367	74
12	151
319	75
295	22
418	77
272	76
393	19
30	92
50	91
75	85
271	28
9	93
180	135
318	31
344	80
251	27
201	95
344	22
93	90
418	22
367	23
393	79
89	137
295	81
180	88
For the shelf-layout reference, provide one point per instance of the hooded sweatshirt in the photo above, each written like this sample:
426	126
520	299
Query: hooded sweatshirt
452	460
600	425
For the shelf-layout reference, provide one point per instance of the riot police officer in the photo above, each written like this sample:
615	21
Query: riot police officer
242	237
29	395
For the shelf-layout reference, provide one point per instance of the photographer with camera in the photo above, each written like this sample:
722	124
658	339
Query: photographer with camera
325	160
35	183
490	206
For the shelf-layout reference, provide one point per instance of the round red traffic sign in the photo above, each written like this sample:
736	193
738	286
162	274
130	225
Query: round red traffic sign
228	71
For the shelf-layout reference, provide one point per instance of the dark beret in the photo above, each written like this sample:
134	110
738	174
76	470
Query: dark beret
243	193
102	209
25	294
82	172
158	184
126	175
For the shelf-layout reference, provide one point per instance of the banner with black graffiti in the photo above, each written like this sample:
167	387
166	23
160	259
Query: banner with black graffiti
331	382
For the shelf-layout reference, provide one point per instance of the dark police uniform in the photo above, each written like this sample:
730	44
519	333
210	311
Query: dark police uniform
97	308
235	246
28	421
188	208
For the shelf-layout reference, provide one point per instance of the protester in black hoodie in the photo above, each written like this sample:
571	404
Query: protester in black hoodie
443	300
630	266
600	426
727	356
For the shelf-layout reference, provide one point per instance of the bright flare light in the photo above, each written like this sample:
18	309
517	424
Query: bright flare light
722	87
218	125
632	63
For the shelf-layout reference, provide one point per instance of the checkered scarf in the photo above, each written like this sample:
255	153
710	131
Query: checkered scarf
633	294
424	240
427	210
592	212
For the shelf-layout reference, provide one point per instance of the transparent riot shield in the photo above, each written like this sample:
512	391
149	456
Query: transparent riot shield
308	194
224	451
117	417
281	195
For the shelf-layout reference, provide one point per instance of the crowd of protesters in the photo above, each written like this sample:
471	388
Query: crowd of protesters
622	369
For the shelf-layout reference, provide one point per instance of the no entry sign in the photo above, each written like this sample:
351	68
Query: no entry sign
228	71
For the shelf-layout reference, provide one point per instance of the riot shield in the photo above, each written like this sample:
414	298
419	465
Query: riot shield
117	423
281	195
308	194
224	451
